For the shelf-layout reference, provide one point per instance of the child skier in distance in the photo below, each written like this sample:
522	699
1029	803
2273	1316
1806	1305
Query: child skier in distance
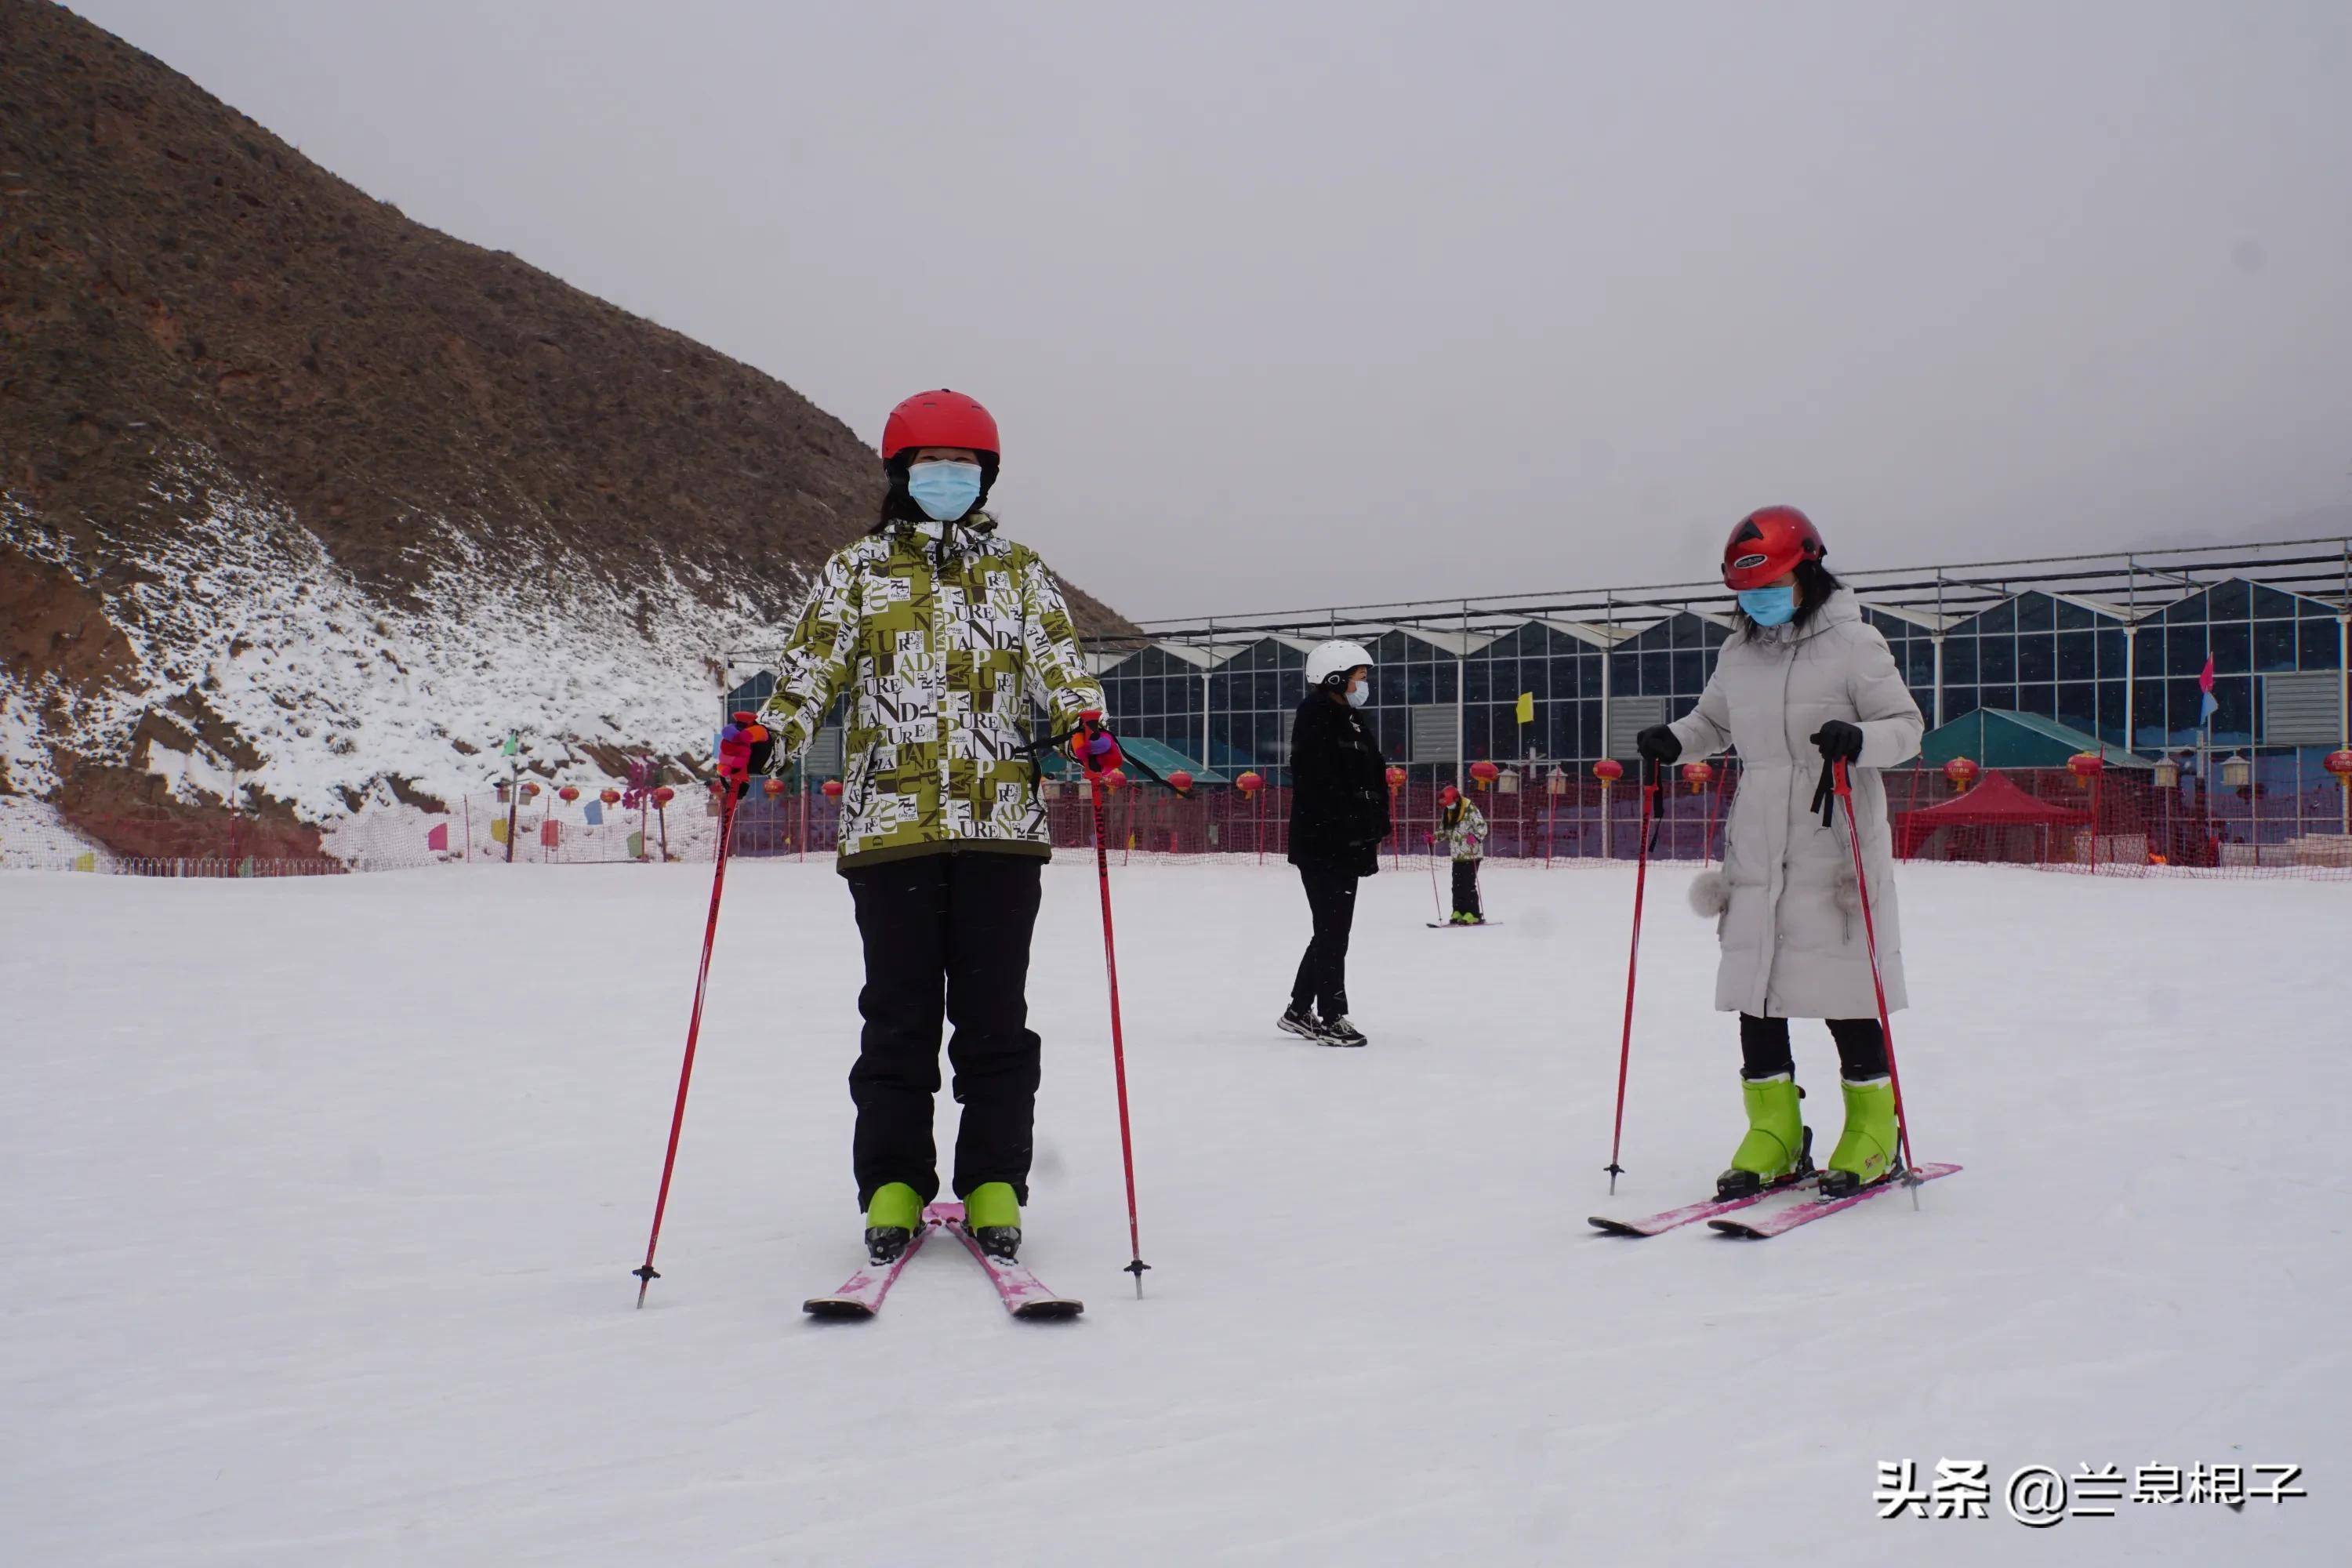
1804	681
943	633
1462	827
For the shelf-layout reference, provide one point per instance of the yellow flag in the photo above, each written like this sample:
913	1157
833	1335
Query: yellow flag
87	861
497	830
1527	706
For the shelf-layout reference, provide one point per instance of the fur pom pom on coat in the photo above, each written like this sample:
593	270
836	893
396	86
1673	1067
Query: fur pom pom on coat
1710	894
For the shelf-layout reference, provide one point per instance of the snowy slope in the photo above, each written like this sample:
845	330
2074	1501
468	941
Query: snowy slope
321	1198
337	689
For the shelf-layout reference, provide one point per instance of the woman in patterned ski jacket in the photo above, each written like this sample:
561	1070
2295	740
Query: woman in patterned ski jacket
943	636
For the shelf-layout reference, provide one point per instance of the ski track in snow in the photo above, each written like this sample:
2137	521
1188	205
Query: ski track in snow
320	1198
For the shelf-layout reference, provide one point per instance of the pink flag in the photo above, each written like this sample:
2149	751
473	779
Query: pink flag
2207	708
438	838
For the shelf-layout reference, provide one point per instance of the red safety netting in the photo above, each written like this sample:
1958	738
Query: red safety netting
1995	821
2123	822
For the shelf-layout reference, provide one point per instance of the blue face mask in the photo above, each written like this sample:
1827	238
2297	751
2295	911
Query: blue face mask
945	490
1769	607
1359	693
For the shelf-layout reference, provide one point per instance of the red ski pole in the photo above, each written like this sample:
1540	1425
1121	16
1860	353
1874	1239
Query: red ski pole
1870	937
1117	1044
1435	902
1632	964
647	1274
1118	1037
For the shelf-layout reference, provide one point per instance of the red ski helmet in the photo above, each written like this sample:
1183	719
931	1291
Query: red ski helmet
1768	545
940	419
1448	795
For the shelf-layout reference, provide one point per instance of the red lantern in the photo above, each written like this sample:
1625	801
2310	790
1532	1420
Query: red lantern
1961	771
568	794
664	796
1249	784
2085	767
2340	765
1396	778
833	789
1698	775
1181	782
1115	779
772	786
1608	770
530	790
610	796
1483	774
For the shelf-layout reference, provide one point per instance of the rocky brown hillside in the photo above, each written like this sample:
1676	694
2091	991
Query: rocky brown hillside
212	343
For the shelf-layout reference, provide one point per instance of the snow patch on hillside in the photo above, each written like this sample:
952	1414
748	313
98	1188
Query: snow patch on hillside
246	619
34	836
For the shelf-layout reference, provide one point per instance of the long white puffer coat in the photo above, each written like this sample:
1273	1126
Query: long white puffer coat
1788	912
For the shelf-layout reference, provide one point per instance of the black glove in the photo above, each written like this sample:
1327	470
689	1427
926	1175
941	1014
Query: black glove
1839	741
1658	744
764	751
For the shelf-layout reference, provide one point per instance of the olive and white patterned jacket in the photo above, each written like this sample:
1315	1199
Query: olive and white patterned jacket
1463	829
943	635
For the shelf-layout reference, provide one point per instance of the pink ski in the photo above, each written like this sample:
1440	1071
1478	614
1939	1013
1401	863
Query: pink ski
1787	1219
1689	1213
861	1294
1024	1294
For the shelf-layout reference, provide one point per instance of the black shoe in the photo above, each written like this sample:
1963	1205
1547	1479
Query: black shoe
885	1244
1296	1020
1002	1242
1739	1184
1339	1032
1845	1183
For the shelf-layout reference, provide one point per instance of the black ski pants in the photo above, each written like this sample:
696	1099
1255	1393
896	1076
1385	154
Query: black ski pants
1764	1047
946	938
1465	889
1322	981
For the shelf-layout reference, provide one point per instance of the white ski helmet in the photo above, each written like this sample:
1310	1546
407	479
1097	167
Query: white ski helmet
1329	663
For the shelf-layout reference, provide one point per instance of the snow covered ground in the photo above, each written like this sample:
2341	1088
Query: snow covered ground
319	1199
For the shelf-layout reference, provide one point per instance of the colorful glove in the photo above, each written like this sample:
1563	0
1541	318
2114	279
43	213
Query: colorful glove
745	747
1093	747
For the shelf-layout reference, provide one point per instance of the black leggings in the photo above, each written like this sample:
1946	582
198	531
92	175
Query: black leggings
1764	1047
1465	889
1322	980
946	943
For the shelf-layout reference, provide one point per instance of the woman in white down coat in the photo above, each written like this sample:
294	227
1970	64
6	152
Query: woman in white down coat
1804	680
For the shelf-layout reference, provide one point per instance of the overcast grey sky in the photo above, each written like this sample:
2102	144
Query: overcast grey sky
1282	304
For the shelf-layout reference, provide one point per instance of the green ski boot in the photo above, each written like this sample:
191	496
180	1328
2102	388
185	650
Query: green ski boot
891	1217
1777	1147
1866	1149
993	1214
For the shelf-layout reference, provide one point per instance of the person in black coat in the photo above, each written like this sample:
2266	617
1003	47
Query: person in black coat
1338	815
